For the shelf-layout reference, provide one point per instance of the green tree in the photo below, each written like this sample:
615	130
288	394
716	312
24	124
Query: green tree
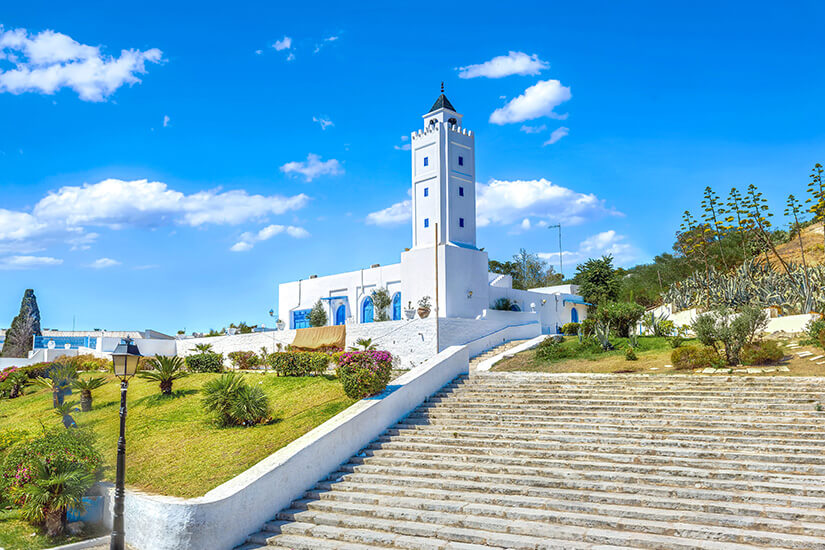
527	271
381	302
598	280
23	328
317	315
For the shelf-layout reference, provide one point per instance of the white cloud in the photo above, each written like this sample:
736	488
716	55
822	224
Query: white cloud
166	120
313	167
102	263
48	61
283	44
505	65
323	121
290	57
248	240
65	214
507	202
324	42
258	52
405	145
533	129
537	101
28	262
399	212
601	244
557	134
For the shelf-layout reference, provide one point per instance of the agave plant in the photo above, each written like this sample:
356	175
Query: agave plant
602	334
86	385
54	487
203	348
166	370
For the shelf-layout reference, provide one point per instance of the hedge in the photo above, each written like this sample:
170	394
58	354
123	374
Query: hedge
205	362
299	363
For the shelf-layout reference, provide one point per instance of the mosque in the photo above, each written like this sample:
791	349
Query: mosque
444	266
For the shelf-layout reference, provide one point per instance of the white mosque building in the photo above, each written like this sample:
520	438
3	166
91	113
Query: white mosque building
443	250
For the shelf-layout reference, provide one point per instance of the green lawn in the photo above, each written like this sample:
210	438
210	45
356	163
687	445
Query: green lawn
16	534
171	446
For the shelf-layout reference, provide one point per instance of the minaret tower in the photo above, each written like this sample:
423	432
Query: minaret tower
443	179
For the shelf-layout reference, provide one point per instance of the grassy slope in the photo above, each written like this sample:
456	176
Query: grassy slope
171	447
16	534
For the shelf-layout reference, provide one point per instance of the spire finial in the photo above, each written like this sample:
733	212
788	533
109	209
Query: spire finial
442	86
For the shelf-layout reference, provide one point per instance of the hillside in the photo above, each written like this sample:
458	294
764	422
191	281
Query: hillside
812	241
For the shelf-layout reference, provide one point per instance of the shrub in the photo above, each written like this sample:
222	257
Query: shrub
12	382
205	362
299	363
550	349
622	316
364	373
570	329
766	352
730	330
59	447
502	304
244	360
166	371
588	325
84	362
630	355
37	370
233	402
317	315
693	357
814	331
147	362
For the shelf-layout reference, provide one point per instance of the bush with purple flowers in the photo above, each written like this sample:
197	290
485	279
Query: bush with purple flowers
364	373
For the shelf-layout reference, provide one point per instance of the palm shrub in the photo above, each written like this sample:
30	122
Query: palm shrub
86	385
233	402
166	371
203	348
64	411
59	378
363	344
50	491
12	382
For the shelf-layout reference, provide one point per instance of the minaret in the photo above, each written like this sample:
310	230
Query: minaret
443	178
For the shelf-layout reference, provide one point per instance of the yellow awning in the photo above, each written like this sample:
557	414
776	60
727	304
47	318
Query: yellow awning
320	337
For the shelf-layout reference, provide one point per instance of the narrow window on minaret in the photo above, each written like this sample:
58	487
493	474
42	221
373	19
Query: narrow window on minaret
426	191
460	191
426	222
460	222
426	161
460	160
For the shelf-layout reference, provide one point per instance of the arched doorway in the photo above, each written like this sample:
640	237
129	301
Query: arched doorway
367	310
574	315
515	307
341	315
396	307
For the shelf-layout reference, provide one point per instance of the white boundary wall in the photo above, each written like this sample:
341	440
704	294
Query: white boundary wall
226	515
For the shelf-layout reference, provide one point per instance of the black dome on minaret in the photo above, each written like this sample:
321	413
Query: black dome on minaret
442	102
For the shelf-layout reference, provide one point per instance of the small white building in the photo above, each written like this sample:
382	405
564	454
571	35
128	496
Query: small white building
443	250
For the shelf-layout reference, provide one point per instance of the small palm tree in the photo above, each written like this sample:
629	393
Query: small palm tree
61	376
203	348
64	411
363	344
86	385
166	370
54	487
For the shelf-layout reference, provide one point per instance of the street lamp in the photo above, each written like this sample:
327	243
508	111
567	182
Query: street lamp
125	360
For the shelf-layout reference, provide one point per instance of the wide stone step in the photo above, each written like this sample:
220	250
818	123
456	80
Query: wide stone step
733	514
522	520
756	471
530	485
658	391
514	534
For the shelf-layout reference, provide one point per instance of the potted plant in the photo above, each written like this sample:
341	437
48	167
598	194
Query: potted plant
424	307
280	324
409	312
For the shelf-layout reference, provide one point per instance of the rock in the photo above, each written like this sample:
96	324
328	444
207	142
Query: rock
75	527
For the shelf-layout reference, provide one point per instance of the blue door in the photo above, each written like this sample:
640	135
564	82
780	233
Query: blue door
341	315
366	310
574	315
396	307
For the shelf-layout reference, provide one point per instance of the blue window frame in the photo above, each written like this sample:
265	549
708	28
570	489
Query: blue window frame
460	191
460	222
300	318
367	310
396	306
426	161
426	222
426	191
341	315
460	160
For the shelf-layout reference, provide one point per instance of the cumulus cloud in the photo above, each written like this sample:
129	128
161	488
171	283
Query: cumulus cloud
537	101
505	65
283	44
557	134
399	212
324	122
28	262
600	244
66	214
248	240
49	61
313	167
102	263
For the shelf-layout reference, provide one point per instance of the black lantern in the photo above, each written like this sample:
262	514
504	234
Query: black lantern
125	360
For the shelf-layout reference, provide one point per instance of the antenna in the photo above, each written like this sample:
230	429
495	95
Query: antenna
561	265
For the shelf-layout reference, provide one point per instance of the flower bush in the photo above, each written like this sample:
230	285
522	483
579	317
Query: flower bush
299	363
364	373
244	360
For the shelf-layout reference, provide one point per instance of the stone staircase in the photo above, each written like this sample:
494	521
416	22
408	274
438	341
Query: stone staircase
517	461
493	352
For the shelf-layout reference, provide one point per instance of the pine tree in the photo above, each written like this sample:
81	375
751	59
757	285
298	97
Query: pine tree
317	315
23	327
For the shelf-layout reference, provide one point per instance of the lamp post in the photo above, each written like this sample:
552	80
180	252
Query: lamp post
125	360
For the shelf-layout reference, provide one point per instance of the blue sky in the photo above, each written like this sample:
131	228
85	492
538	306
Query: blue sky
168	166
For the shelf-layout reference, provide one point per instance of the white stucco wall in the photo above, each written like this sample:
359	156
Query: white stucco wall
226	515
